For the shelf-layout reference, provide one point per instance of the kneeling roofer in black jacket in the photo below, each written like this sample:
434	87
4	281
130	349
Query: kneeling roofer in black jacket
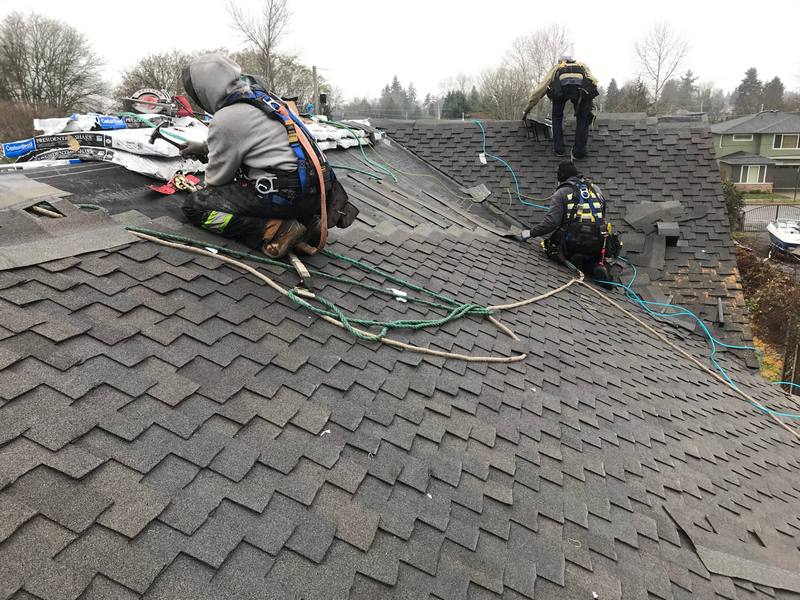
577	220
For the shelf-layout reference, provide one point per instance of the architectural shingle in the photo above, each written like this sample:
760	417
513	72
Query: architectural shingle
187	433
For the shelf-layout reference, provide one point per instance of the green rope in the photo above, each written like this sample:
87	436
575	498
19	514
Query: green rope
455	310
286	266
367	160
92	208
390	277
362	171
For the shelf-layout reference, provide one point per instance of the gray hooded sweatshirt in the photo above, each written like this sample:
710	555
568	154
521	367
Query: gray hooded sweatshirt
239	134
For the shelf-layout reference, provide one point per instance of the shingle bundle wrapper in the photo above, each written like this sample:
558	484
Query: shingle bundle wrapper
120	140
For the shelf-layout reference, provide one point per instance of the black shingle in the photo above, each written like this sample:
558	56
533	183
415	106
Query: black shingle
196	438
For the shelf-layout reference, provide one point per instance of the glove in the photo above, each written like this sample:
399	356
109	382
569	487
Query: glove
525	235
194	150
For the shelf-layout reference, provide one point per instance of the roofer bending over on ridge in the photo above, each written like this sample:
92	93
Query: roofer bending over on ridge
263	176
568	80
576	218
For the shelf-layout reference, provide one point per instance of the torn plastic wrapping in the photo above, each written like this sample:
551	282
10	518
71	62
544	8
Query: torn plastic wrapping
127	140
152	166
96	121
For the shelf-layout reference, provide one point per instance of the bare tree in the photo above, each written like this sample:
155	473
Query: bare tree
533	55
160	71
290	77
47	63
263	31
503	92
461	82
659	54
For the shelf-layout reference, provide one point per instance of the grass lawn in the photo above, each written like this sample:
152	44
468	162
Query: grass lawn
761	198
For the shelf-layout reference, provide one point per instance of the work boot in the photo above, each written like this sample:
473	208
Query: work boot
601	277
280	236
575	157
314	230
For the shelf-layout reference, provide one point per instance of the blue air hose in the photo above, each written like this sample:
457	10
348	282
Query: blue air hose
715	343
789	383
479	123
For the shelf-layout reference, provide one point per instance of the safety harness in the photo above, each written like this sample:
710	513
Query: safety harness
570	75
584	230
313	171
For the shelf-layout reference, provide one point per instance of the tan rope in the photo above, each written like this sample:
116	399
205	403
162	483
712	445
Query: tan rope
504	328
687	355
280	289
553	292
46	212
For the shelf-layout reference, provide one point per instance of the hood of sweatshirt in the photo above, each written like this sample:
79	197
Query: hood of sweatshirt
210	79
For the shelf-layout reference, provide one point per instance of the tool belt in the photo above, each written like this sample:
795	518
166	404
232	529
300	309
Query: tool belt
581	238
282	190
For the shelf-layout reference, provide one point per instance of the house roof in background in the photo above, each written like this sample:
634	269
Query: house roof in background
764	122
746	158
171	428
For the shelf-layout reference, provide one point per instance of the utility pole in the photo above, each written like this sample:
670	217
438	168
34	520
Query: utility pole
316	89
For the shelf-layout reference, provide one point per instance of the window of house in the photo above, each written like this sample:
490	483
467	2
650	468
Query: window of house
753	174
742	137
783	141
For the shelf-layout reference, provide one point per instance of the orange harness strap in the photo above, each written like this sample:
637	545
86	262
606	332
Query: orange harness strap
323	195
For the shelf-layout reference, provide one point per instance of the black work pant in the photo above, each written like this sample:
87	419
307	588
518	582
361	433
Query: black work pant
234	211
583	117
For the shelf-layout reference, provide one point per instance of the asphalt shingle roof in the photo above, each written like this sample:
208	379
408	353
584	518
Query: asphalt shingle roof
764	122
650	171
746	158
171	428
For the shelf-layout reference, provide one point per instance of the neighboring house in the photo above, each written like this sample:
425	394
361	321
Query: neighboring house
759	152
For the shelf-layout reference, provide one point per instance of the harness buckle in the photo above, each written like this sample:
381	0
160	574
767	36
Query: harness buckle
584	191
272	104
265	185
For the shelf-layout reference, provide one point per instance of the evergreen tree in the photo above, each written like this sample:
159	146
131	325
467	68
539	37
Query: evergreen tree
748	94
411	106
635	97
427	106
669	101
772	97
613	96
386	105
687	91
455	105
474	100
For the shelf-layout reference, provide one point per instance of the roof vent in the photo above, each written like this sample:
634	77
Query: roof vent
671	232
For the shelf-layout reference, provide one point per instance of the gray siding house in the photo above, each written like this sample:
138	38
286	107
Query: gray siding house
759	152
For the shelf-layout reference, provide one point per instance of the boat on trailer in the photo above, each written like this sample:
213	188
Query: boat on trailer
784	236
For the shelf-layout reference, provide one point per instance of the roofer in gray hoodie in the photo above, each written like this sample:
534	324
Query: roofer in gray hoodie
262	185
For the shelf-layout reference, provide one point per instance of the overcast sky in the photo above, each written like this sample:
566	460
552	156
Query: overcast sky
362	43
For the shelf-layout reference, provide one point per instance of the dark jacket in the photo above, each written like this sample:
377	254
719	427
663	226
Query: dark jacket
557	213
